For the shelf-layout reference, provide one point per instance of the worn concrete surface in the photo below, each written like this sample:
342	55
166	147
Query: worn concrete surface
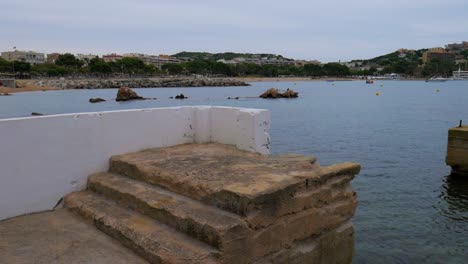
154	241
196	203
206	223
59	237
457	150
223	175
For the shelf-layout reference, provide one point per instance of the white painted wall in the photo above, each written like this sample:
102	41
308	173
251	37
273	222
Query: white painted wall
44	158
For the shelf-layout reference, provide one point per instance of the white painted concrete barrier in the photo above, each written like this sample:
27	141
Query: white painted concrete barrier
44	158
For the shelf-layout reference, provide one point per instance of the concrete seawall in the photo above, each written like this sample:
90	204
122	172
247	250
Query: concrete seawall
47	157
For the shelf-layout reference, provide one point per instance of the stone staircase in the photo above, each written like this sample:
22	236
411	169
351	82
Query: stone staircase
213	203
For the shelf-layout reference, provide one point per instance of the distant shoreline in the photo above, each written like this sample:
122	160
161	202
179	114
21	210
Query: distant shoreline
49	85
291	79
307	79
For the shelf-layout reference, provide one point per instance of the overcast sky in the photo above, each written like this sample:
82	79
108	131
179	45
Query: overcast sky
328	30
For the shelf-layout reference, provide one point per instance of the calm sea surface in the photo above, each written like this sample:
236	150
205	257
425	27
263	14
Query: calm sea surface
410	210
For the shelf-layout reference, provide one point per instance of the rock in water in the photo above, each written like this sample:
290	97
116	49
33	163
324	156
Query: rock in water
126	94
290	94
181	96
270	93
274	93
96	100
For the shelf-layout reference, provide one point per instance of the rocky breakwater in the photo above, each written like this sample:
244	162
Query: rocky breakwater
137	83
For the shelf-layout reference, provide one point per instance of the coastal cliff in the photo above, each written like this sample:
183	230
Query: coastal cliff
135	83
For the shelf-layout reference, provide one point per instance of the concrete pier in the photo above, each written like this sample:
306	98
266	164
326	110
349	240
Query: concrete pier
457	150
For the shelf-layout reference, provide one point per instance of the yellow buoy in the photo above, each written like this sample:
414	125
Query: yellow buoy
377	93
381	84
437	90
333	84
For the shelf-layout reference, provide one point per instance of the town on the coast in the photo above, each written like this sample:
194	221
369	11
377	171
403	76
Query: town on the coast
449	62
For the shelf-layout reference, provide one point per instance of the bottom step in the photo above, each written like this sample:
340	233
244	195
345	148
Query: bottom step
155	242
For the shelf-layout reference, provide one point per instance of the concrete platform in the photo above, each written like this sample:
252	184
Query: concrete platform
196	203
222	175
59	237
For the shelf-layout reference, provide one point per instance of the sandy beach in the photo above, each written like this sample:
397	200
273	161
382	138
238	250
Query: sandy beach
23	86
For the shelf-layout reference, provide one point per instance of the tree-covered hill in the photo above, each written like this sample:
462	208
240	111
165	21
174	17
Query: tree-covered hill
224	55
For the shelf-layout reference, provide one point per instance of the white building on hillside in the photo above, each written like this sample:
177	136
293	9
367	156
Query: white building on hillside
25	56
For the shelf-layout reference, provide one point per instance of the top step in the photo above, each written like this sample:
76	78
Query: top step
222	175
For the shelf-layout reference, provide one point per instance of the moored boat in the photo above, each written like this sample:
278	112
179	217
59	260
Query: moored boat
437	79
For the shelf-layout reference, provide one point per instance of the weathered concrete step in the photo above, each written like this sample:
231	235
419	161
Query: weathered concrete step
335	246
209	224
155	242
227	177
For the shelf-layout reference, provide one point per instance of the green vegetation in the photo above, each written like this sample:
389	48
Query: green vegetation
211	67
438	67
67	64
410	64
406	62
225	55
68	60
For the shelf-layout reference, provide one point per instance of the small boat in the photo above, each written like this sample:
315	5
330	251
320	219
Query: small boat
369	81
437	79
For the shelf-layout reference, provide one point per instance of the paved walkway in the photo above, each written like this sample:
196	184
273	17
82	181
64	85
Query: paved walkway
58	237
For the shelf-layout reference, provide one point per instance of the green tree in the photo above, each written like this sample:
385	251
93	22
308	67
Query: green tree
5	66
21	66
464	53
313	70
173	68
131	65
438	67
50	70
68	60
336	69
97	65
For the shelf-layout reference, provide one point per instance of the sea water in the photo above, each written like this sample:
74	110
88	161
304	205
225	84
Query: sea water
410	210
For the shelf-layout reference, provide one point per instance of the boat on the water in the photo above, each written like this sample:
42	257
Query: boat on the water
460	75
369	81
437	79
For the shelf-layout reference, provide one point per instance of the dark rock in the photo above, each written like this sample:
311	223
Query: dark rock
36	114
181	96
5	94
273	93
290	94
126	94
96	100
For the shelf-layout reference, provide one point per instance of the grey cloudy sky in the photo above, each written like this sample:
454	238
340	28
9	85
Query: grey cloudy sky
328	30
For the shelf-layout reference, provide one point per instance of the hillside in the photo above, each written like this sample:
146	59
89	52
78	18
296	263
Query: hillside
224	55
411	56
